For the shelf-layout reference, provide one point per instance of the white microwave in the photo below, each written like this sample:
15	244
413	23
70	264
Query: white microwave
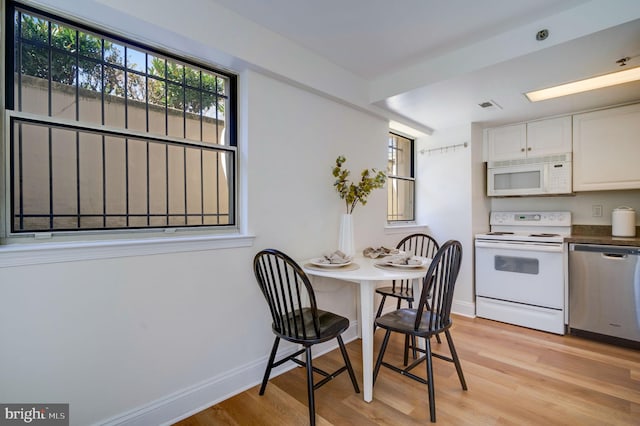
530	176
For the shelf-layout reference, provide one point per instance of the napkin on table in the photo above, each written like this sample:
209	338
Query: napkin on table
335	258
375	252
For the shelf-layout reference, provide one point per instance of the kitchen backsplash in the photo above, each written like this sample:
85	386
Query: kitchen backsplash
582	206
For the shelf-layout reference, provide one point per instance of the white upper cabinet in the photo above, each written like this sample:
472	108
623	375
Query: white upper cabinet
533	139
507	142
549	137
606	149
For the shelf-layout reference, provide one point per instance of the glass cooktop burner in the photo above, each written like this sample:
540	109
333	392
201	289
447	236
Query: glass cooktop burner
544	235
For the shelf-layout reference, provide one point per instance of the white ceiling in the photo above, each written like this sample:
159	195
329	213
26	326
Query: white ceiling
433	61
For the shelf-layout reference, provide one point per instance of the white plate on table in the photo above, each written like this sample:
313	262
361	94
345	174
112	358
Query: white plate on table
423	261
318	262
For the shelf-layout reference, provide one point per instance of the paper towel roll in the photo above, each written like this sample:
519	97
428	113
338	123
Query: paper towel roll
623	222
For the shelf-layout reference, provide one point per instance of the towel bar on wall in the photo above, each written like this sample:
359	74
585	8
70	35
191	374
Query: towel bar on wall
444	149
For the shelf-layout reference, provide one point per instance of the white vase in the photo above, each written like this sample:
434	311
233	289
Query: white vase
345	236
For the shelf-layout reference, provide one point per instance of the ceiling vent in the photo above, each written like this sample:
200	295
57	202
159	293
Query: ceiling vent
489	105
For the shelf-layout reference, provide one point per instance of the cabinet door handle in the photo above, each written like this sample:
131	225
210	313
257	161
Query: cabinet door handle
529	149
522	149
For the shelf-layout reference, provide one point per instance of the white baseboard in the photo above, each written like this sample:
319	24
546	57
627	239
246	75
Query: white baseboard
467	309
182	404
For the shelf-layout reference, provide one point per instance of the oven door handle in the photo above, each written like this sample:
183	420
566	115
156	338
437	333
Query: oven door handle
528	246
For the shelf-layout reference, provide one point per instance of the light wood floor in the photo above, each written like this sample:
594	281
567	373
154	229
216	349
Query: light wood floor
516	376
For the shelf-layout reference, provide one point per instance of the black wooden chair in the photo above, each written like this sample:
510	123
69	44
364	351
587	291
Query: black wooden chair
297	319
425	322
419	245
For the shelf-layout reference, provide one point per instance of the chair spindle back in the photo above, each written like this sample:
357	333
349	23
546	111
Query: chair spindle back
287	290
421	245
439	284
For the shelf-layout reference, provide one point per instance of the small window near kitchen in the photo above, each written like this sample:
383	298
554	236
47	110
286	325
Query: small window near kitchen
400	179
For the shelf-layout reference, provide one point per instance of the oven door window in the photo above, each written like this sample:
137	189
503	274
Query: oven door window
519	265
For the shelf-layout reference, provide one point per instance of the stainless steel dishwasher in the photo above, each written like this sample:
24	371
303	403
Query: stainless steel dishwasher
604	292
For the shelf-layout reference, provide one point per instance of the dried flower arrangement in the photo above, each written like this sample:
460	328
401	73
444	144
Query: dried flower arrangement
370	179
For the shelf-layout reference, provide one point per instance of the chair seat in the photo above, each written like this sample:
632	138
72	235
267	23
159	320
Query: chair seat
406	294
403	321
331	325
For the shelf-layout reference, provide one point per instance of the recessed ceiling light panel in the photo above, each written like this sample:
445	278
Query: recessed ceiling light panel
606	80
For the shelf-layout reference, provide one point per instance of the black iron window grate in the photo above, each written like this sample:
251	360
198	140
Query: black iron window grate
70	178
108	134
96	79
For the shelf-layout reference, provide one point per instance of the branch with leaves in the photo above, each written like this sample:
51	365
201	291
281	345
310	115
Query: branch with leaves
87	60
351	193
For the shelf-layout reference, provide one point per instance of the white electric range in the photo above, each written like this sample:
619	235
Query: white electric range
521	269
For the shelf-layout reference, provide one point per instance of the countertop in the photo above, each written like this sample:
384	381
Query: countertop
598	234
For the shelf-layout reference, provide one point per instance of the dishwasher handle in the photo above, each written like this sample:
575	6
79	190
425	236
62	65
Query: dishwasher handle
607	251
615	255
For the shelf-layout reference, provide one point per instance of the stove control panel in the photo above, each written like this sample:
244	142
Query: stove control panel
531	218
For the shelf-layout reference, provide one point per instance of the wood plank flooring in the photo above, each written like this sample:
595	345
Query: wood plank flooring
516	376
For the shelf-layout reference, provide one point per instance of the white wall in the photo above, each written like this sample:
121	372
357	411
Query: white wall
445	199
292	152
580	205
146	339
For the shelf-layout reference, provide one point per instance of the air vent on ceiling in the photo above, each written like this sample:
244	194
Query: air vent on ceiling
490	104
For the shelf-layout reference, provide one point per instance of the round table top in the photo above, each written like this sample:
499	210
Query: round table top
367	271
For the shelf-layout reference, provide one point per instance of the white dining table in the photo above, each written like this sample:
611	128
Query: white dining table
368	276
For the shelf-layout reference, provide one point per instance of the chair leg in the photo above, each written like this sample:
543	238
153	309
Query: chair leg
267	372
430	384
413	338
383	348
384	297
406	349
348	364
312	403
456	360
428	307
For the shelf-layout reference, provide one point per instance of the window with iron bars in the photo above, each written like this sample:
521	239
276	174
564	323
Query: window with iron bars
108	134
400	179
